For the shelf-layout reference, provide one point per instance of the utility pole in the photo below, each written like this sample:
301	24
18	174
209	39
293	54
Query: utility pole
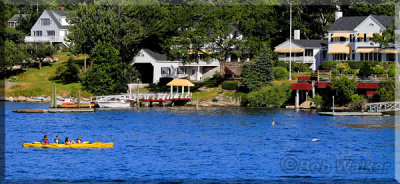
290	44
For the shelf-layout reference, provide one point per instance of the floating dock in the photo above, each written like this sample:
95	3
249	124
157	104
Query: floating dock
350	114
54	110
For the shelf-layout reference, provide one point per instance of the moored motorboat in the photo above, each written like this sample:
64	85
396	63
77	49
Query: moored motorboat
69	103
114	104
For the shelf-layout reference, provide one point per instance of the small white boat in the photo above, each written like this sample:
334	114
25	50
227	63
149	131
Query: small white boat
114	104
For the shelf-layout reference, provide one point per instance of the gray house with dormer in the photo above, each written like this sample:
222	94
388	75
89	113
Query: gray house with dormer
51	27
350	38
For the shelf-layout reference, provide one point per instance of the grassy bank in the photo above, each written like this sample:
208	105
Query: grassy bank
35	82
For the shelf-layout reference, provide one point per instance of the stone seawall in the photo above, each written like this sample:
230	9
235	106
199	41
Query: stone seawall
41	98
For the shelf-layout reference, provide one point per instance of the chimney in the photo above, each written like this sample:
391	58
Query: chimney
338	14
297	34
61	8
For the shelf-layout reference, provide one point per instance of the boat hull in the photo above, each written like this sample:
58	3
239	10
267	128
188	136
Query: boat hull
97	145
114	104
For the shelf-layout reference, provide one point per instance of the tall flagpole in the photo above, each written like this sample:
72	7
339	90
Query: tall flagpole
290	44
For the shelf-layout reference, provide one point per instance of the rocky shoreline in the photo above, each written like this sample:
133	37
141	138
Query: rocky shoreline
40	98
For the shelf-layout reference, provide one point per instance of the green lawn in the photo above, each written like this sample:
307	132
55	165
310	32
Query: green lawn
37	82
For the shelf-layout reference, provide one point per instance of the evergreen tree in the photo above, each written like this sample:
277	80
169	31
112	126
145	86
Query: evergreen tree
71	73
260	72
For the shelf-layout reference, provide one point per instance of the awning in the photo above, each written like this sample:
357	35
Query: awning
390	51
337	35
370	35
180	82
339	49
366	50
361	35
202	51
287	50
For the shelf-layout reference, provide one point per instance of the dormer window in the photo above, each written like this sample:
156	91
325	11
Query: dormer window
45	22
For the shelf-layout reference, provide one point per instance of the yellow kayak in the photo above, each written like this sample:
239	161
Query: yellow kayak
84	145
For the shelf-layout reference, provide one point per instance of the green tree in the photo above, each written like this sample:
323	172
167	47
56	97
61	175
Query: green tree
386	90
365	8
206	32
343	89
40	51
109	75
386	37
16	54
71	73
15	35
365	71
260	72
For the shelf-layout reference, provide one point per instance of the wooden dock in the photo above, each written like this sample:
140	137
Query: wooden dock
69	110
349	114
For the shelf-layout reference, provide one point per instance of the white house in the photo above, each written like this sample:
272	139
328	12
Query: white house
311	52
155	67
350	38
51	27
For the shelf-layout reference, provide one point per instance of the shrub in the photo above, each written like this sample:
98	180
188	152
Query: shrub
269	96
280	73
300	67
379	70
318	100
365	70
283	64
359	64
328	65
344	88
386	90
357	100
230	85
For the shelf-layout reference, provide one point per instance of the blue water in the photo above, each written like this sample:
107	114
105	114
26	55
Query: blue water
179	143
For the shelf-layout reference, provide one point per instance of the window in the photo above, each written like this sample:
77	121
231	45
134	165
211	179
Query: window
193	72
390	57
181	70
309	52
45	22
37	33
51	33
361	56
165	70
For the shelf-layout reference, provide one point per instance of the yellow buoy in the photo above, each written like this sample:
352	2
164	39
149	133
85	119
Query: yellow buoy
273	122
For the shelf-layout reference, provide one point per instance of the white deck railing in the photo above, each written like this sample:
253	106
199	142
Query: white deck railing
142	96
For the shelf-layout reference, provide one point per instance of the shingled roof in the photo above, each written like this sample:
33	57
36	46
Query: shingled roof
158	56
16	17
60	13
311	43
350	23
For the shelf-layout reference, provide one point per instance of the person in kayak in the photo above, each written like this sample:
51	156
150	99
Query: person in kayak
57	140
68	142
45	140
79	140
